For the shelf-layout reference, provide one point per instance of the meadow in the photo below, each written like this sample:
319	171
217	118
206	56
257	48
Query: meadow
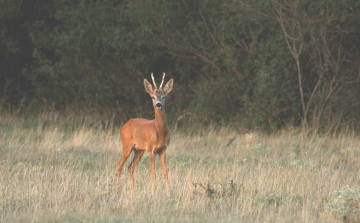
62	169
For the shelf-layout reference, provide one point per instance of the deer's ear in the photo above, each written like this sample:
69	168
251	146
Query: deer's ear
168	86
148	87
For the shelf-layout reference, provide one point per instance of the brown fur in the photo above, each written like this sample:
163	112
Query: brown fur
140	135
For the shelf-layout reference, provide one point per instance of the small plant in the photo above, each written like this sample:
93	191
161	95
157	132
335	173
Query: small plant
345	204
302	163
274	199
271	199
210	191
230	189
259	149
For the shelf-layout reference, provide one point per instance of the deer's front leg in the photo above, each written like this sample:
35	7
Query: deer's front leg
152	166
164	169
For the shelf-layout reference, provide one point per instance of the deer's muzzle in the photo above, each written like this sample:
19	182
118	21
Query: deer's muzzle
158	105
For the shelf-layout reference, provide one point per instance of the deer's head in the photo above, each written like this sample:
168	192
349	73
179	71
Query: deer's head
158	95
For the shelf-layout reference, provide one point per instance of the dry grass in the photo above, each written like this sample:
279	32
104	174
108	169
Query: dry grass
62	170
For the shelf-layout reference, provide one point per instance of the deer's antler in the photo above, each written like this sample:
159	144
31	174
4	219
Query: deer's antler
162	80
152	77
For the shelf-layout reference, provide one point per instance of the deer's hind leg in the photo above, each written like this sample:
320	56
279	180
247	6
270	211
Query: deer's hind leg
134	162
125	154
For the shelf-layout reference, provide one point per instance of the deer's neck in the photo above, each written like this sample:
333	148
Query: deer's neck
161	123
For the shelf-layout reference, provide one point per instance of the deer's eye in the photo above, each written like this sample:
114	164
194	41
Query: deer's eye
153	97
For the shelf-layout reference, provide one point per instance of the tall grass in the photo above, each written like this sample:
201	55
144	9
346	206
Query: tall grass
62	169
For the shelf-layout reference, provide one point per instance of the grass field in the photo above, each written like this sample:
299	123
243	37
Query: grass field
62	169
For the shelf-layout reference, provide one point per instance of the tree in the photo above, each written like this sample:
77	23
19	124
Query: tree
317	26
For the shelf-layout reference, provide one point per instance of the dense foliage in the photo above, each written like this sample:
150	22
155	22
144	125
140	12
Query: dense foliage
259	63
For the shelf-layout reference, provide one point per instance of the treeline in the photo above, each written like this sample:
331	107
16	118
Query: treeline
266	64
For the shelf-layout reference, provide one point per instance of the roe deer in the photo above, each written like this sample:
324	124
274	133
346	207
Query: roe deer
140	135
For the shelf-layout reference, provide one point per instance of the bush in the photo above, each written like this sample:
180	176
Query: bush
344	204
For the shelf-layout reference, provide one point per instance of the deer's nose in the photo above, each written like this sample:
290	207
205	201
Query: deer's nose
158	105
